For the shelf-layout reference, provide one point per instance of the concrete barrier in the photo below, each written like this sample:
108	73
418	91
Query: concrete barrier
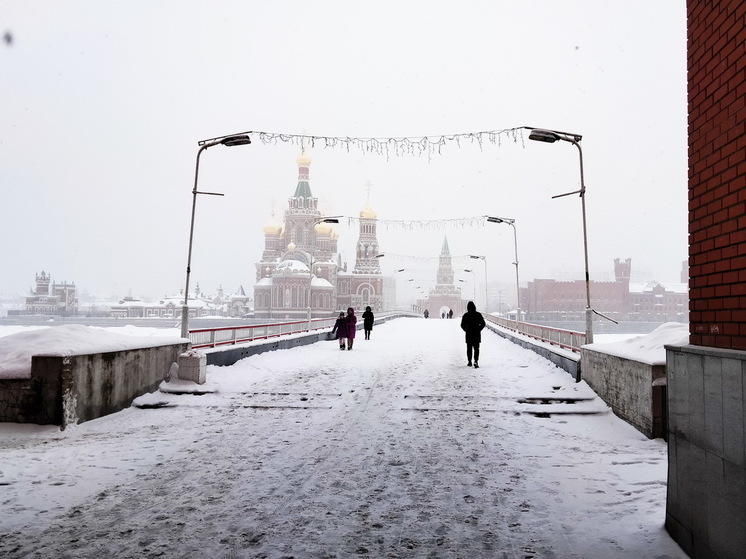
565	360
706	504
71	389
627	387
228	355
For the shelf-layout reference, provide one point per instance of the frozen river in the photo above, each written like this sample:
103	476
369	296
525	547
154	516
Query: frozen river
395	449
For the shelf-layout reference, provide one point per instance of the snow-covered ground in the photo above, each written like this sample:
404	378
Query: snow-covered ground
395	449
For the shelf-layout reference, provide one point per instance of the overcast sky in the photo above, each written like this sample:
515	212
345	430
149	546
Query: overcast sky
102	104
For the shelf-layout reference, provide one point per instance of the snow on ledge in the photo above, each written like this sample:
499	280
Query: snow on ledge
16	350
649	348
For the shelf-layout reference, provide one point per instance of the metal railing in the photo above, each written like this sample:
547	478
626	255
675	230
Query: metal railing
228	335
566	339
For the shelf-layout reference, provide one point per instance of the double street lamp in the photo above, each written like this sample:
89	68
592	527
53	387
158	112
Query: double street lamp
511	222
230	141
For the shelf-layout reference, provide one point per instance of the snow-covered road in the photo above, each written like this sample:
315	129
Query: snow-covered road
395	449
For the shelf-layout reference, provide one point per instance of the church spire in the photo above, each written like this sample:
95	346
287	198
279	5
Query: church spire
445	251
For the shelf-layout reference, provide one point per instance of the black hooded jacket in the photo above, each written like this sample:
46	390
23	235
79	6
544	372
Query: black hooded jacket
472	323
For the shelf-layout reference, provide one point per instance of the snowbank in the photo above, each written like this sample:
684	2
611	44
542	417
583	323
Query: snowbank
72	339
648	348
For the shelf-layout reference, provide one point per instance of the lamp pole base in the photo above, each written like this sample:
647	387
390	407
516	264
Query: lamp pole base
588	326
185	321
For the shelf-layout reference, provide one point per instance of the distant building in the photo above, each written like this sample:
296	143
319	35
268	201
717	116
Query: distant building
200	305
445	296
547	299
52	298
301	268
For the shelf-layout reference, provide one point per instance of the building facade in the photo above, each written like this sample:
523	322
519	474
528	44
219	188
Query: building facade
445	295
551	300
52	298
301	267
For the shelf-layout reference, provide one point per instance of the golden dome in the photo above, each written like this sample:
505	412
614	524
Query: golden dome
323	228
368	212
272	229
303	160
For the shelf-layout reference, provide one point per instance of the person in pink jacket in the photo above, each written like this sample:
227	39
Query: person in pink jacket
351	327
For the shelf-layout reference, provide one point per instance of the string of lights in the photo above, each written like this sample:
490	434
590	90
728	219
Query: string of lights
395	146
422	224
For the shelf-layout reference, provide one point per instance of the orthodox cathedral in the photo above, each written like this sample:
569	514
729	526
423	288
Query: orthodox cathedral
300	262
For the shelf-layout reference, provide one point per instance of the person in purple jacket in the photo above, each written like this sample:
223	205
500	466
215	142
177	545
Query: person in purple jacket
351	327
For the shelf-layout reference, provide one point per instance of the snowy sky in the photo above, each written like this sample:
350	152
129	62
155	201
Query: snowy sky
103	103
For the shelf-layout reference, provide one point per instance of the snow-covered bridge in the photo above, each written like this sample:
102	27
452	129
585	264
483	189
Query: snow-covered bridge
395	449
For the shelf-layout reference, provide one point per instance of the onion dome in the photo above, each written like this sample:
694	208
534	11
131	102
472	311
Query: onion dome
368	212
303	160
323	228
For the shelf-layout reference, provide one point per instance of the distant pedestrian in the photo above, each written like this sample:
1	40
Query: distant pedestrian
340	327
472	323
368	319
351	320
450	313
443	314
426	313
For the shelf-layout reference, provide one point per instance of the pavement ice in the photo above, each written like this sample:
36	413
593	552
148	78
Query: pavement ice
395	449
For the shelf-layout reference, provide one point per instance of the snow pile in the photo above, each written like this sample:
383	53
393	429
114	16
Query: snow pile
648	348
72	339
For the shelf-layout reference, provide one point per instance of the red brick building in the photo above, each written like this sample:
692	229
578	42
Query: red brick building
552	300
717	174
706	379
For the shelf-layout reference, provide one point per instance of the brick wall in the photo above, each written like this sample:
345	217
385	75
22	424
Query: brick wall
717	173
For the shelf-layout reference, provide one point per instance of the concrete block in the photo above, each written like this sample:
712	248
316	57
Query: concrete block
695	399
733	412
672	495
193	366
713	404
678	393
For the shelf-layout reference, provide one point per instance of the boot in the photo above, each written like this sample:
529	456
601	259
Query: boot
476	365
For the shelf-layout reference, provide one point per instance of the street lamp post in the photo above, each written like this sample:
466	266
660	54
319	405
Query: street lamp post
235	140
331	219
511	222
552	136
473	283
486	292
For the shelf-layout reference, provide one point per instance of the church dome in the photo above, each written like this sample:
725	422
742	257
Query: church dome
303	160
323	228
272	229
368	212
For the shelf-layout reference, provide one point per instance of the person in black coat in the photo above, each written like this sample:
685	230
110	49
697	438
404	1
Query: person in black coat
368	322
472	323
340	327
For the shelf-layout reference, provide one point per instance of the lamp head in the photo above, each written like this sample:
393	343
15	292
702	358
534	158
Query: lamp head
379	255
239	140
541	135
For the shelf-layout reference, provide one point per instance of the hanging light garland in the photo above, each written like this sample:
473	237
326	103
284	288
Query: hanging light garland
421	224
395	146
